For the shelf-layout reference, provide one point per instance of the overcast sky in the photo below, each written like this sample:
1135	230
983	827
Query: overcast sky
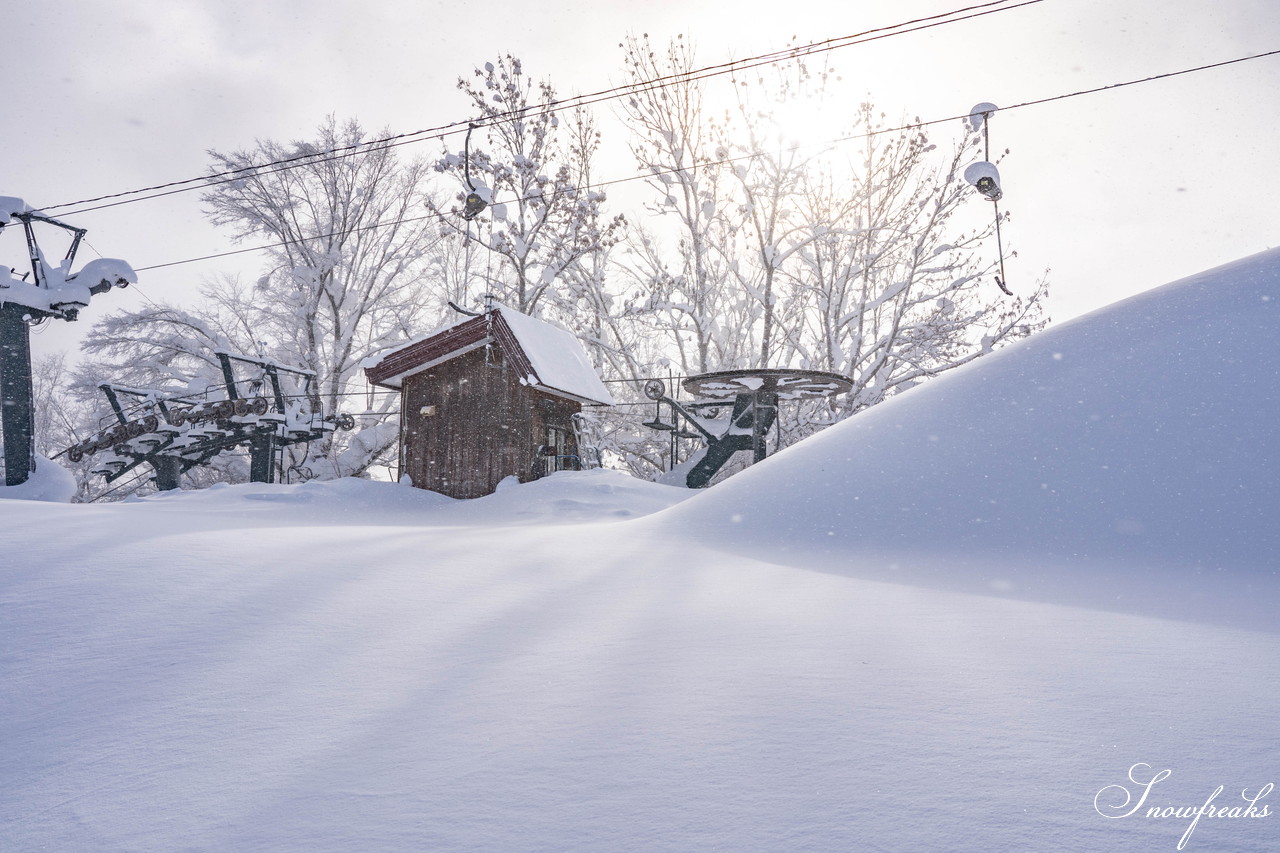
1114	192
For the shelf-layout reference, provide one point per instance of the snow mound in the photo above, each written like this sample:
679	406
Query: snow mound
353	665
567	497
302	504
49	482
1142	434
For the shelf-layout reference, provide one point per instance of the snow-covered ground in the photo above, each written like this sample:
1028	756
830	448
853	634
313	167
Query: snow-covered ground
975	618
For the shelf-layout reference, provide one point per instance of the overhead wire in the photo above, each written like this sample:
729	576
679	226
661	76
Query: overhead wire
574	102
294	162
917	125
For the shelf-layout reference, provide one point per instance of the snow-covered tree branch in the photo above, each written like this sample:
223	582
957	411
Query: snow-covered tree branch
344	279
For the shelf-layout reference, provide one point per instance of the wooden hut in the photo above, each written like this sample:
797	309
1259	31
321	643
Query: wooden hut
490	397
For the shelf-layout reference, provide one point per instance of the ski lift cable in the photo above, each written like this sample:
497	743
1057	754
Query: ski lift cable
614	93
133	285
445	130
451	128
855	137
142	475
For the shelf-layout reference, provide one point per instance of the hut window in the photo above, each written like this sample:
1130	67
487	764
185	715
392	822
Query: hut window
557	447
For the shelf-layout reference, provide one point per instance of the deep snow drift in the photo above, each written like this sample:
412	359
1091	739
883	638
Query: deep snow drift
848	647
1101	462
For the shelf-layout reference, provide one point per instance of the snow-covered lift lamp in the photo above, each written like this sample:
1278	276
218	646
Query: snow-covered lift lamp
989	188
985	178
473	206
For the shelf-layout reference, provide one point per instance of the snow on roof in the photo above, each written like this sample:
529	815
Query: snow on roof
552	358
556	355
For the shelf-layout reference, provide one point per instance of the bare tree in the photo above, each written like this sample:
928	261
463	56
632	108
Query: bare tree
349	246
889	288
62	419
541	218
853	258
857	263
690	299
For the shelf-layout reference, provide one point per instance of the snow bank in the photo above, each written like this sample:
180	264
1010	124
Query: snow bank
1141	435
312	504
366	666
49	482
566	497
181	681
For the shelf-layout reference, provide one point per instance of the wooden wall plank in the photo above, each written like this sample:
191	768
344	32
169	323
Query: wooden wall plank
486	425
